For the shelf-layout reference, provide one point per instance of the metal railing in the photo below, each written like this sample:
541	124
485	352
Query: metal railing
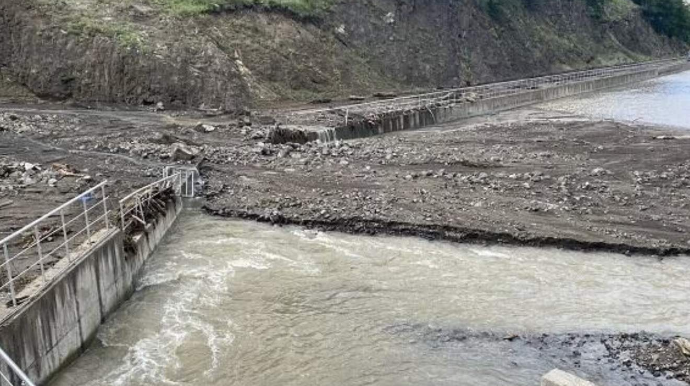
29	253
189	177
50	238
133	208
63	232
343	114
15	376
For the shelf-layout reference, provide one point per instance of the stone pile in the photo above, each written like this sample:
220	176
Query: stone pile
15	175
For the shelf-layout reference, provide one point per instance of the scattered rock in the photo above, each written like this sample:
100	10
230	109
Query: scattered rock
204	128
179	152
321	101
385	95
265	120
683	345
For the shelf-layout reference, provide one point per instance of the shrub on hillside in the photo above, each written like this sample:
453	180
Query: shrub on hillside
670	17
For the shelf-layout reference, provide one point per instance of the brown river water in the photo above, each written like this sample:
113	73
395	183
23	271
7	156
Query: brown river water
663	101
239	303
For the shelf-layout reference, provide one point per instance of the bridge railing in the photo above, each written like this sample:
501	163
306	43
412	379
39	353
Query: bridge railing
30	252
11	374
343	114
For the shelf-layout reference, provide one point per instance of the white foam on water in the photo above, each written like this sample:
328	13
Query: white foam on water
324	240
427	263
200	287
489	253
247	263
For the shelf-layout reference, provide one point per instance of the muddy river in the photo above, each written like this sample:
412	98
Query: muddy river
663	101
239	303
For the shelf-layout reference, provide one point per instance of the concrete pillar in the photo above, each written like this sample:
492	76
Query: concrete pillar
561	378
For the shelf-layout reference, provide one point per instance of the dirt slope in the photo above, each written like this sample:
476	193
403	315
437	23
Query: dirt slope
139	52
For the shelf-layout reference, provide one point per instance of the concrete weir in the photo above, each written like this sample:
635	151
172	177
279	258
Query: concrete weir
59	323
410	119
419	118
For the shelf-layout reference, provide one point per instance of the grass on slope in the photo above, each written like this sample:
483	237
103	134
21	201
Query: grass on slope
304	8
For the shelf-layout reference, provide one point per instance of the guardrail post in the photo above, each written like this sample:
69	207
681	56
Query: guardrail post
9	274
122	216
86	219
40	253
193	184
141	210
347	116
186	183
105	208
64	234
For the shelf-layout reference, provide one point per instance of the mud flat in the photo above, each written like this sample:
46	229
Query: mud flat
551	180
529	177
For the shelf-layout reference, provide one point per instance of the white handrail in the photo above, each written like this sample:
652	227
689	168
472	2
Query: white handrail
149	186
13	366
51	213
593	72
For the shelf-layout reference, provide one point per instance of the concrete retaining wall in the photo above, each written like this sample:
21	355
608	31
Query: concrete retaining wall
60	322
416	119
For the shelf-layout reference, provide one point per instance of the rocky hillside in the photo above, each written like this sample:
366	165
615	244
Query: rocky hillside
195	53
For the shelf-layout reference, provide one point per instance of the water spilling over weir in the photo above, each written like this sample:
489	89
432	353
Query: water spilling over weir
237	303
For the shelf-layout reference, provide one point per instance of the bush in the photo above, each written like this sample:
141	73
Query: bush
597	8
669	17
302	8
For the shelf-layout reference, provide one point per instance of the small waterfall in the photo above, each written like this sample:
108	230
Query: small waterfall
326	135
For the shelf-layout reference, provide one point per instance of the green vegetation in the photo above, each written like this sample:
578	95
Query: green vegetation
122	33
670	17
302	8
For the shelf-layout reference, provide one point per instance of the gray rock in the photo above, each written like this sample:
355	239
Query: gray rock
203	128
180	152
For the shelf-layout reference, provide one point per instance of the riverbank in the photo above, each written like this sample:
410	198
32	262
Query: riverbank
222	298
629	358
590	185
542	179
526	177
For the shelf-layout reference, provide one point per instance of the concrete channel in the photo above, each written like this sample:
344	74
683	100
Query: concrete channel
412	113
60	319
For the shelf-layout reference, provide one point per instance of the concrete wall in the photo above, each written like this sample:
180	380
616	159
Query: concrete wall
60	322
415	119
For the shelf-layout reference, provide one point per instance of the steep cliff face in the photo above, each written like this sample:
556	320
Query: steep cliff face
137	52
45	56
450	42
